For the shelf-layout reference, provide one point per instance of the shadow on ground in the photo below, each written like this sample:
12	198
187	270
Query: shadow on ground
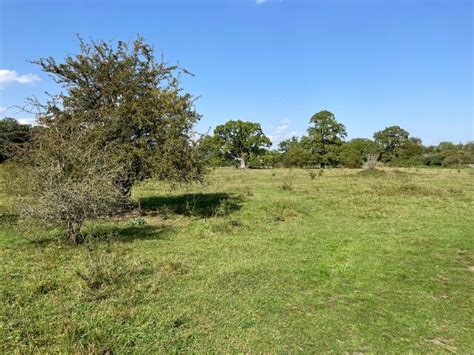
109	234
146	232
201	205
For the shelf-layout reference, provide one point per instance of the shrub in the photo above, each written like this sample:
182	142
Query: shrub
66	180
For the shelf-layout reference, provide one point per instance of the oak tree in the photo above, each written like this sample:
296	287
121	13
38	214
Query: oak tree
239	139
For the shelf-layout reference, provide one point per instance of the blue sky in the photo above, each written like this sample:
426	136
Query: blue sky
373	63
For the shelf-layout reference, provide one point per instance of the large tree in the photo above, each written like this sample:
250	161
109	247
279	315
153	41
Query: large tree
396	143
121	118
326	135
126	100
239	139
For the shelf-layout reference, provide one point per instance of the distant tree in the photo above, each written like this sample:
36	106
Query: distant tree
458	158
285	145
447	147
391	140
210	151
12	134
355	152
265	159
412	148
469	146
449	154
456	154
296	152
298	156
326	136
239	139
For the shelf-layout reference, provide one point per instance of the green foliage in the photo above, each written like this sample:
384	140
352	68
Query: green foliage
239	140
12	135
120	119
325	138
122	98
460	157
448	154
266	159
285	145
355	152
433	160
391	140
298	156
324	145
398	148
210	153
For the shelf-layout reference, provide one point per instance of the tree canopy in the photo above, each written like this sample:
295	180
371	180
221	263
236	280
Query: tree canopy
238	140
125	99
326	135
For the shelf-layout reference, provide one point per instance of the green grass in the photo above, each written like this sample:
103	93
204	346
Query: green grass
254	261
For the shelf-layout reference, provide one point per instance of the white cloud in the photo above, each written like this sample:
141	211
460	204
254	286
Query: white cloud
260	2
282	132
11	76
30	121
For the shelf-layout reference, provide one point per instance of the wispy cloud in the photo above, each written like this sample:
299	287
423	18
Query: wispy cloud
11	76
282	132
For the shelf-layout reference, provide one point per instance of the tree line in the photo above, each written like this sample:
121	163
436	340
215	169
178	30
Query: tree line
121	117
325	146
243	144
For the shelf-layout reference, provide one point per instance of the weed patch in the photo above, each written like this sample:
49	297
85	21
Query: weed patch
281	211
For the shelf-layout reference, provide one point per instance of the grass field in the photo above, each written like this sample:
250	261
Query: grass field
254	261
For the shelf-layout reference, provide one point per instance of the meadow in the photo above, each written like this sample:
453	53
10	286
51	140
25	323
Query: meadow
272	261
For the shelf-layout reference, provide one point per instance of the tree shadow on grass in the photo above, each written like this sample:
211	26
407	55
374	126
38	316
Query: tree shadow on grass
118	233
145	232
203	205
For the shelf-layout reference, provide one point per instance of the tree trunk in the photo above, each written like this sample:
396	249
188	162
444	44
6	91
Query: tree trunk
125	186
73	231
242	162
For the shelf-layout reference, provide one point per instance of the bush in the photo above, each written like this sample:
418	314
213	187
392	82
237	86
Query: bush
64	181
433	160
